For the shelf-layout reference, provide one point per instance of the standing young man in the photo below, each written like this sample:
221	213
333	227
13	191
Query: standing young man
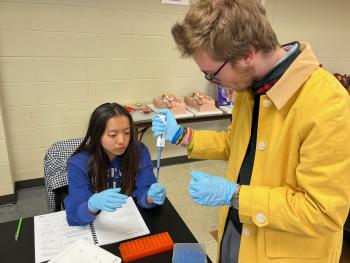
286	193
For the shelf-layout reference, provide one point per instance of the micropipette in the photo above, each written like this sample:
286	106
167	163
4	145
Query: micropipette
160	145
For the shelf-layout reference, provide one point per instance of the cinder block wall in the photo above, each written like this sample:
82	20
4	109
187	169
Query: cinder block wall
6	177
322	23
59	59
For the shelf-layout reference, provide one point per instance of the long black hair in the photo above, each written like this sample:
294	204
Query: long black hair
98	163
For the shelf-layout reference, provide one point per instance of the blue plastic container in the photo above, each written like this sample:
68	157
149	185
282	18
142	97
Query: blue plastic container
189	253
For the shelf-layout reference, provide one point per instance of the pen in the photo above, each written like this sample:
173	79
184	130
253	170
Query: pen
18	228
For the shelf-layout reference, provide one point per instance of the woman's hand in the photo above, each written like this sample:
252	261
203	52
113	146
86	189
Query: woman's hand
156	193
107	200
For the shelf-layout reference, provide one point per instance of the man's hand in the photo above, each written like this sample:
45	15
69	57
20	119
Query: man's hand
170	128
211	190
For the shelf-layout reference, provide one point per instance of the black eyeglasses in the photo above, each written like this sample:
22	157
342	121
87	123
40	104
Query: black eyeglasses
212	78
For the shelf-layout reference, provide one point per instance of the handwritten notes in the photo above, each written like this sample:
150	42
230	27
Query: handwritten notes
53	234
120	225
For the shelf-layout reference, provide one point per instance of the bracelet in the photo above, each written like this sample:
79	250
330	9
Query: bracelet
185	142
177	135
190	143
183	134
235	198
190	138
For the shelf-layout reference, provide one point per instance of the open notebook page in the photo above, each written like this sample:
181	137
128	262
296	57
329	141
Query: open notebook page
120	225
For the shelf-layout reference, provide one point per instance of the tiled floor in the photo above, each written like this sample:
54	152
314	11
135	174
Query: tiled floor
201	220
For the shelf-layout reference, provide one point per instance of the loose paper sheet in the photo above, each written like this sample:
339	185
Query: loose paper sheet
83	252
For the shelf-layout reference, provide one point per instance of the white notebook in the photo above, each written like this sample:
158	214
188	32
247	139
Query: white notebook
53	234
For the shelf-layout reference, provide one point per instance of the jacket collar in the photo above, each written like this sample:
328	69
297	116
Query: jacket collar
267	82
294	77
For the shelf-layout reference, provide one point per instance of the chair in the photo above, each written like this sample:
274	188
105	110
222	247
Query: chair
55	171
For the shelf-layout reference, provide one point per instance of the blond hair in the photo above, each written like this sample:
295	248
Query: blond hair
226	29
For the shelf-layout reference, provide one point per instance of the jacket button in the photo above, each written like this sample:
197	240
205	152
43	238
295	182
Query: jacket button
261	146
260	217
267	103
246	232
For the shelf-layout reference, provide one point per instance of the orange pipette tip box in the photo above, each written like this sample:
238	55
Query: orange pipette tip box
146	246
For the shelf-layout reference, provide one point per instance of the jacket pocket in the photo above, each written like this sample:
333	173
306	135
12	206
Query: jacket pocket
281	244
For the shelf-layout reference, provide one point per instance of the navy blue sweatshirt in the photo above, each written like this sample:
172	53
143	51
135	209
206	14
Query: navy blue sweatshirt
79	186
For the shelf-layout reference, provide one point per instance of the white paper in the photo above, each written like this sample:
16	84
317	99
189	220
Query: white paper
227	108
82	251
215	111
184	115
124	223
176	2
53	234
140	116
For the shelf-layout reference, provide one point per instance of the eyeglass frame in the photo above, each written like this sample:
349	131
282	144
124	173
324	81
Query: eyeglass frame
211	77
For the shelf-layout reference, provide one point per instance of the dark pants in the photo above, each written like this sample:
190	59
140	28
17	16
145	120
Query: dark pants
230	244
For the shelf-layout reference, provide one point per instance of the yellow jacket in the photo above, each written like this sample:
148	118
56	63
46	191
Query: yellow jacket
298	200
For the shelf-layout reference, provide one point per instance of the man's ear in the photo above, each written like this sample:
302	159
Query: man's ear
249	57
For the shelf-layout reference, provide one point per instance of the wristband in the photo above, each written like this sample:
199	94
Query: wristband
183	134
235	198
177	135
187	138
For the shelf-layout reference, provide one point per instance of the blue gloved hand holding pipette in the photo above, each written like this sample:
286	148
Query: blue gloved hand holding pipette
157	193
169	127
160	142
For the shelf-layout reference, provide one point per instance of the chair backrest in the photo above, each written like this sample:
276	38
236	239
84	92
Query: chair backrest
59	195
55	171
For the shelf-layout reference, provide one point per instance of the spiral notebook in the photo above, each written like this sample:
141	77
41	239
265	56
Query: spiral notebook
53	234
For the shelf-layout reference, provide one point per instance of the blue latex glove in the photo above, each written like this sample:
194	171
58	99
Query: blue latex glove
211	190
169	129
157	192
107	200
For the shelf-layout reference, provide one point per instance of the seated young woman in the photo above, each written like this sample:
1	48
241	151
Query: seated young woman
108	166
